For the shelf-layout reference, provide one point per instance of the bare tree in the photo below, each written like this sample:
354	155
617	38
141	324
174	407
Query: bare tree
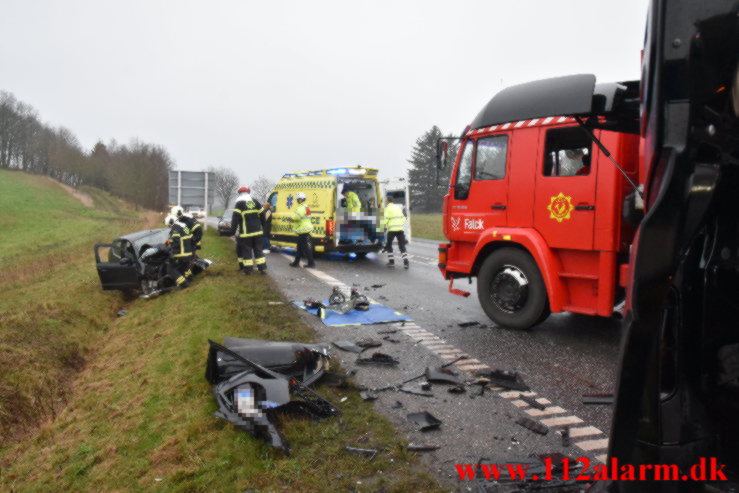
261	187
226	183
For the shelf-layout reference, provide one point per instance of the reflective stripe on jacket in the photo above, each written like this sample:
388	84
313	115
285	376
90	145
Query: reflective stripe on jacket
394	219
353	203
180	240
301	220
246	218
194	226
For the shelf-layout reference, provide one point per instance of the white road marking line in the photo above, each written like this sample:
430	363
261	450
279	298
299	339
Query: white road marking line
546	411
519	403
561	421
588	445
543	400
514	394
602	458
474	367
584	431
470	361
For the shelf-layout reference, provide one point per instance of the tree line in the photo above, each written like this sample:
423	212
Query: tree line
428	184
137	172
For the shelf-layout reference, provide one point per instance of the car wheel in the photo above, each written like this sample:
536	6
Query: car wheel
511	289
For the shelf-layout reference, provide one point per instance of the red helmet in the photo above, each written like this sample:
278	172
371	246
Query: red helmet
244	190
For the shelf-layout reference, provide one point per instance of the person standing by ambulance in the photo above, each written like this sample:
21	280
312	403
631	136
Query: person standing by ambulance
247	221
394	221
303	227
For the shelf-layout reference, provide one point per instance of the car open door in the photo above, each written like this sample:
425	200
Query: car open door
122	274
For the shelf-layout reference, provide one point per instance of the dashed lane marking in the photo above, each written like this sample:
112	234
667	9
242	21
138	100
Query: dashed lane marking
447	352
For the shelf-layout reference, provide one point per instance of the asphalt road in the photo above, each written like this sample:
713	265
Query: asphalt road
560	360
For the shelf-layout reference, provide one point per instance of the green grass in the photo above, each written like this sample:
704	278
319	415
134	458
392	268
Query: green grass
427	226
133	410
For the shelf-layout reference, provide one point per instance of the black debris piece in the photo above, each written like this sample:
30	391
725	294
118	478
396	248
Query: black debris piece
442	375
390	339
531	401
457	389
565	432
313	304
383	298
532	425
254	379
396	405
368	396
416	390
606	399
368	342
418	447
377	286
425	386
348	346
424	420
464	325
507	379
387	331
369	452
122	312
378	359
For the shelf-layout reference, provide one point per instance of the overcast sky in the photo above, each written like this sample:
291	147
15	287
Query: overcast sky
270	87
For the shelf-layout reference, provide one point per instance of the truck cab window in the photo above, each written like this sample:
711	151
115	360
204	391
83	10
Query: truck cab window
490	161
567	152
464	173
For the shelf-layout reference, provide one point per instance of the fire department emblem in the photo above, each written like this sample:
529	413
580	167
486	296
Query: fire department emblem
560	207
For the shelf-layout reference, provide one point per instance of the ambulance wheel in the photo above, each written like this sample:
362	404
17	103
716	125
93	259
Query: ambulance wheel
511	289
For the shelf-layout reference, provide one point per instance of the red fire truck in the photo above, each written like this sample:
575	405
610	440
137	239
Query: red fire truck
536	199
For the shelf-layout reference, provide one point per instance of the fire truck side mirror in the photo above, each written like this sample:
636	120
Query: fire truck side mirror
442	154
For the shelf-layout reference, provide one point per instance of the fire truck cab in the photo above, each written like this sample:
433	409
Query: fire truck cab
534	208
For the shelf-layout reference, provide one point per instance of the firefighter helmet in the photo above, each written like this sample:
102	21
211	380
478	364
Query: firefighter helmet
244	190
177	211
170	220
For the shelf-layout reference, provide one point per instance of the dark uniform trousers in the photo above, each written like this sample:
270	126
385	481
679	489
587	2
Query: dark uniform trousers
304	248
248	247
400	235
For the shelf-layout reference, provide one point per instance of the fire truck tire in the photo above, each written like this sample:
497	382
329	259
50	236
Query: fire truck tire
511	289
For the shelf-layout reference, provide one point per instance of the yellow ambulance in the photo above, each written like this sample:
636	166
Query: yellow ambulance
335	229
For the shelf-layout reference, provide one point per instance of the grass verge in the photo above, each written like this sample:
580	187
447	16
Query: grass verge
427	226
139	415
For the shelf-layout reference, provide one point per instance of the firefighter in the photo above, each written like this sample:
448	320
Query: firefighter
303	228
196	229
394	222
246	219
181	252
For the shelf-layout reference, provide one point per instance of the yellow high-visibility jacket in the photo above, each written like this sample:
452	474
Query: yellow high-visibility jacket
301	220
394	219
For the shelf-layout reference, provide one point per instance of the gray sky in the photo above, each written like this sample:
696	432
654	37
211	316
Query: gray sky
271	87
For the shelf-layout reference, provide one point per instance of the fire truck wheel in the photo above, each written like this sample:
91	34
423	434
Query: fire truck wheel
511	289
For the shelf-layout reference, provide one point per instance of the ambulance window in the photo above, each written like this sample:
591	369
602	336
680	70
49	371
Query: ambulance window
464	174
567	152
273	201
491	156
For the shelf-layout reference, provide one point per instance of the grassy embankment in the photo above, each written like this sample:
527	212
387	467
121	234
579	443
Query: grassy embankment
427	226
139	413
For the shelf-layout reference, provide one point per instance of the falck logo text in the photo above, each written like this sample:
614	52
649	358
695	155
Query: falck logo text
469	224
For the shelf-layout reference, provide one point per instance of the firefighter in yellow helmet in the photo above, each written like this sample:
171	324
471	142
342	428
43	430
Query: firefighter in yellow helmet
303	228
181	251
394	221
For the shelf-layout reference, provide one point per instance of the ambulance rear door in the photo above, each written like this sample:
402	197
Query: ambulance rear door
400	193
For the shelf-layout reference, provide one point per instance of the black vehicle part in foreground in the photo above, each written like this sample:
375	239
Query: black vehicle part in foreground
677	395
253	380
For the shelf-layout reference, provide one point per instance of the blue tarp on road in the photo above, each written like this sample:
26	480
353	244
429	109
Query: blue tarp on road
377	314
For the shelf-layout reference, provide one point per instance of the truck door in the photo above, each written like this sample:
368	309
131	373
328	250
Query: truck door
564	203
481	188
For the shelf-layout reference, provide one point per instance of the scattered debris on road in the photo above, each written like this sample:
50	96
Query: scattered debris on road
424	420
368	396
388	331
457	389
442	375
348	346
416	390
417	447
506	378
378	359
532	425
606	399
368	342
565	432
464	325
377	286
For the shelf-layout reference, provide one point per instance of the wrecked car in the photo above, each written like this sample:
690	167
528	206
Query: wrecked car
254	380
138	262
